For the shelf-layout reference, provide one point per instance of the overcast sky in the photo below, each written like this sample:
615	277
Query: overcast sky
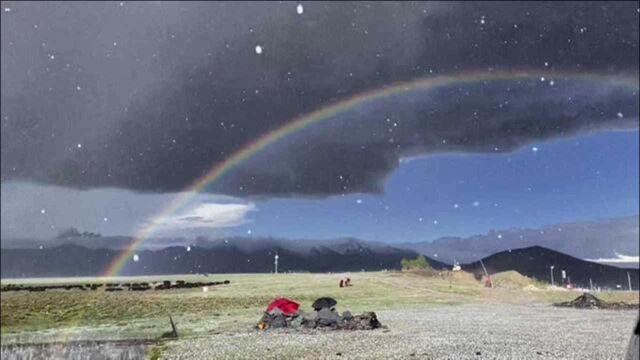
110	109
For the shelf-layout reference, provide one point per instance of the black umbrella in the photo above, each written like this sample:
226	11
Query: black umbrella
324	302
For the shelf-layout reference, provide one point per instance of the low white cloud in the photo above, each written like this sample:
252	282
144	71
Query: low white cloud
208	216
618	259
41	211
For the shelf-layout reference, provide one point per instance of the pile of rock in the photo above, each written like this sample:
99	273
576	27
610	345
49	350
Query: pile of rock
323	318
589	301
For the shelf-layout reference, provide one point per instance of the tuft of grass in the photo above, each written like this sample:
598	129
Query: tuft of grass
156	351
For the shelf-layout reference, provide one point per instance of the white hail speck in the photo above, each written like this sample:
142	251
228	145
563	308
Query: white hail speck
435	222
455	206
299	9
258	49
542	78
136	257
359	201
78	88
105	219
188	248
79	146
499	236
249	231
476	203
620	115
534	149
43	211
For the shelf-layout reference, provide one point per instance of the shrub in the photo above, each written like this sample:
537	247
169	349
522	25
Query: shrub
419	263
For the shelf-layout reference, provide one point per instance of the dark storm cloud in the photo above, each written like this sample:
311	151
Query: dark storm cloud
356	150
149	96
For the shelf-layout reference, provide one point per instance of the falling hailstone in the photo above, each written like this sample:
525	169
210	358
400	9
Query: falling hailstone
299	9
534	149
258	49
43	211
620	115
455	206
188	248
476	203
136	257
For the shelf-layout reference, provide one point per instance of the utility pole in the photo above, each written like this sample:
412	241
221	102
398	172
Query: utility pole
275	262
629	279
551	269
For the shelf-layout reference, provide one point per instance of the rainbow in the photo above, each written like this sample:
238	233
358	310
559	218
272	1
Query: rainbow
303	121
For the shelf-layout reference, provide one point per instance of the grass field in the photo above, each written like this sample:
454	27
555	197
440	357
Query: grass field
61	315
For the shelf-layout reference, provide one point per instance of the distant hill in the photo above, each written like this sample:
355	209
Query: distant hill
75	260
605	239
535	262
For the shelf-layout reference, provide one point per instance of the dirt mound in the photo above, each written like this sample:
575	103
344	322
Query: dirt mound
588	301
323	319
511	280
324	316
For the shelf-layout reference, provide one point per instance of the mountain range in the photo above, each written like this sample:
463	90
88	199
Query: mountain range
337	256
613	241
609	239
216	257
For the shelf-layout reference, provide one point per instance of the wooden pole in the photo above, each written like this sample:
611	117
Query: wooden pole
174	330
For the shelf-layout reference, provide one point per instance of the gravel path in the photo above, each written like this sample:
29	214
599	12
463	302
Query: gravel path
437	332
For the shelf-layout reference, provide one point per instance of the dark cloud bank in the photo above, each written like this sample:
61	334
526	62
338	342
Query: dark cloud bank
149	96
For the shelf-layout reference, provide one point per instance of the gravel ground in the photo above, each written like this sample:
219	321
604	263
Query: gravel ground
436	332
